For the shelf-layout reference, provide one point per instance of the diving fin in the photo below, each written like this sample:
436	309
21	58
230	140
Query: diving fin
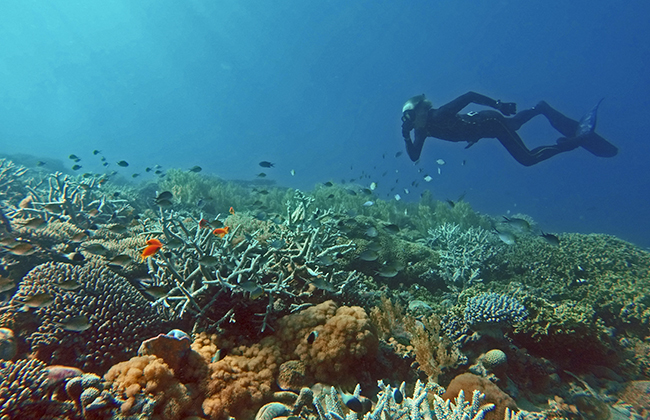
587	123
593	142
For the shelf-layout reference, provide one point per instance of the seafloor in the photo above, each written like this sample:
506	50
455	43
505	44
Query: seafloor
264	302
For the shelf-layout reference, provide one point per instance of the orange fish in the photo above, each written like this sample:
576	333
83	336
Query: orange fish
231	211
203	223
221	232
153	246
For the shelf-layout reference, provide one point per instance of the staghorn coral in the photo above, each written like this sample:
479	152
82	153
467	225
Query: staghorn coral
120	318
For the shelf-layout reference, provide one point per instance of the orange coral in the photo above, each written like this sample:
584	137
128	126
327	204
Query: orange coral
493	394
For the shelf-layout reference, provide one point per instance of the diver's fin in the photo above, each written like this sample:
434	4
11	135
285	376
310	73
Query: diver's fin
599	146
587	123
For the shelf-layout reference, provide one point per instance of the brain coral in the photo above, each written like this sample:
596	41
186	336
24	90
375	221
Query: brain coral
120	317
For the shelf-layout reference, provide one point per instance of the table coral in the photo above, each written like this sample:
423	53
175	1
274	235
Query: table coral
120	318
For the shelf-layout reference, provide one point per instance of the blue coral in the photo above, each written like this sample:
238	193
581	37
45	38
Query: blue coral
491	309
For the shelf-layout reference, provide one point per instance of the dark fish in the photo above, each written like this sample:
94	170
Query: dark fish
165	195
96	152
551	239
6	284
105	163
76	323
208	261
96	249
39	300
369	255
116	194
328	184
34	223
74	157
398	396
325	260
398	154
261	175
277	243
147	169
517	223
265	164
391	228
76	167
75	256
40	163
123	163
103	159
322	284
587	123
195	169
373	246
371	232
330	196
164	204
121	260
156	292
261	216
69	285
263	192
351	191
507	237
22	249
135	175
118	229
158	172
312	337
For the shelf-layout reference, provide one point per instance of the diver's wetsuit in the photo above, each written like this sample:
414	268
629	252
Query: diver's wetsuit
446	123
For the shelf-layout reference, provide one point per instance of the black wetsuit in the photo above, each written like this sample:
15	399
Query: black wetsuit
446	123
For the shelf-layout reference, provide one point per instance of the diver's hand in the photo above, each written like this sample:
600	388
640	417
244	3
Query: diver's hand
506	108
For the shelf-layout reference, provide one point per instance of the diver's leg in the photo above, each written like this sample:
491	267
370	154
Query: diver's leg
559	121
521	118
516	147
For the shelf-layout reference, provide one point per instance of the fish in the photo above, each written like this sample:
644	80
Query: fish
105	164
322	284
74	157
312	337
69	285
517	223
164	204
328	184
325	260
221	232
34	223
358	404
398	154
277	243
373	246
451	203
96	152
371	232
366	191
507	237
135	175
195	169
373	186
208	261
40	163
103	159
153	245
550	239
22	249
387	271
369	255
6	284
174	243
350	191
398	197
121	260
406	191
76	167
231	210
78	237
293	172
203	223
97	249
156	292
263	192
587	123
368	203
391	228
165	195
440	162
261	175
428	178
76	323
266	164
147	169
39	300
216	223
118	229
123	163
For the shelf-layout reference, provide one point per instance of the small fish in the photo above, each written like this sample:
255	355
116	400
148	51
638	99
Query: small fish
368	203
203	223
22	249
398	154
277	243
231	210
34	223
74	157
208	261
39	300
156	292
96	152
325	260
373	186
329	197
216	223
116	194
69	285
147	169
391	228
174	243
371	232
76	323
350	191
164	204
6	284
398	197
398	396
369	255
293	172
123	163
261	175
75	256
135	175
263	192
428	178
165	195
322	284
76	167
517	223
328	184
312	337
358	404
439	171
195	169
121	260
387	271
78	237
118	229
440	162
266	164
451	203
97	249
551	239
507	237
56	374
153	245
103	159
221	232
158	172
40	163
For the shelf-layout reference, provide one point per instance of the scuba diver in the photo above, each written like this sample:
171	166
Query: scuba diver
446	123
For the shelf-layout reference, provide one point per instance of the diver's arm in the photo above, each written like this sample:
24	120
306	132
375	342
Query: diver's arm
457	105
413	149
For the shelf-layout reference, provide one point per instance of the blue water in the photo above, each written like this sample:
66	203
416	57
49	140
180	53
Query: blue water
318	87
